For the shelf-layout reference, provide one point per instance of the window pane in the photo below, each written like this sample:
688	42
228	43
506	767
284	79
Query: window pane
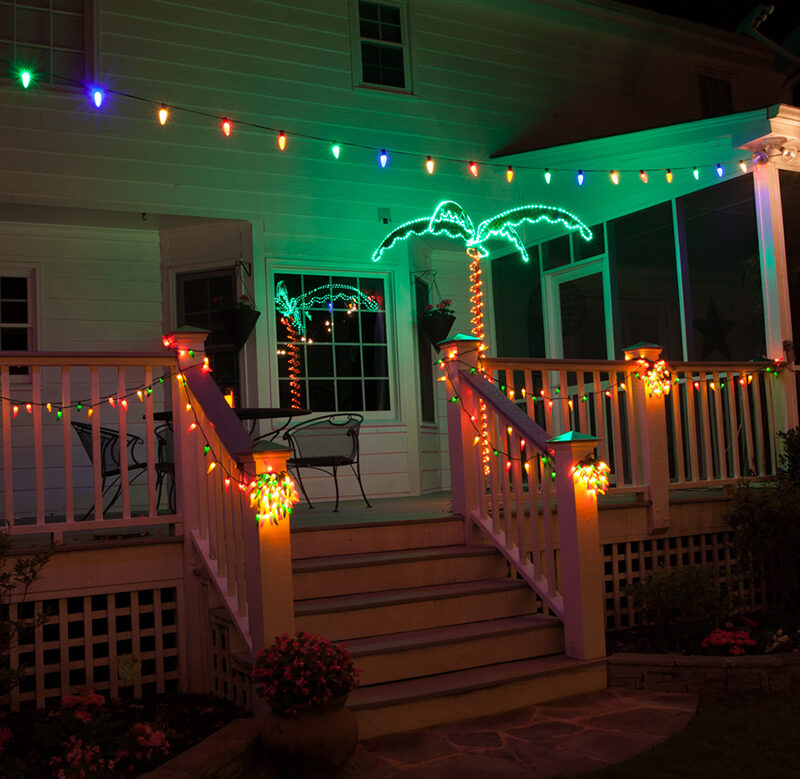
345	327
13	311
33	26
320	327
373	327
15	287
68	32
373	288
13	338
583	250
348	361
555	253
376	396
376	362
583	323
349	395
518	305
319	360
725	279
77	6
321	396
647	279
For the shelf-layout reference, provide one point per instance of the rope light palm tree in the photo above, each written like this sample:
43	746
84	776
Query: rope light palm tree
295	312
450	220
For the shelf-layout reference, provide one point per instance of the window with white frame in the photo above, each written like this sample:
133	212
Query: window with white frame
337	358
17	332
50	38
381	56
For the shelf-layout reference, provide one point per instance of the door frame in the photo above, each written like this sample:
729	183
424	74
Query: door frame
554	343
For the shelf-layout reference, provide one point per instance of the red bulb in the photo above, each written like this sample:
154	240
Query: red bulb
227	127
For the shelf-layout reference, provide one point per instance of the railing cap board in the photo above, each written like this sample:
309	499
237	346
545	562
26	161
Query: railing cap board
572	436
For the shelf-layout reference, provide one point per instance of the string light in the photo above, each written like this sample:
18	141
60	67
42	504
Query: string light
720	171
580	178
336	150
26	78
162	115
669	176
591	474
473	169
547	175
614	175
384	158
644	177
97	97
429	165
696	173
743	166
509	174
282	140
227	127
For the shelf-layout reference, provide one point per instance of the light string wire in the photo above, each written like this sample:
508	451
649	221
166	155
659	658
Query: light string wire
776	367
67	81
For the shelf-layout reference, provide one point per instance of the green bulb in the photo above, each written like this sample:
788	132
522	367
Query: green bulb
26	78
335	150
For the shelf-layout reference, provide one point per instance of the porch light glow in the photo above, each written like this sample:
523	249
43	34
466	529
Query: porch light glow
509	174
429	165
282	140
547	175
473	168
162	117
227	127
384	158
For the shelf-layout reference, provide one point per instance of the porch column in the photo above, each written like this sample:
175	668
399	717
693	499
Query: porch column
775	286
581	560
650	433
460	352
268	558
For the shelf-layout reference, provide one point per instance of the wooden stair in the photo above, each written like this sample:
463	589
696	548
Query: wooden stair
439	628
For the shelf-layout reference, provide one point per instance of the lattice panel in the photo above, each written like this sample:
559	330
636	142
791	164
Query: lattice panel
231	677
83	639
625	562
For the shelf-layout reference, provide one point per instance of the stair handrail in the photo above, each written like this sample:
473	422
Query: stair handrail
488	488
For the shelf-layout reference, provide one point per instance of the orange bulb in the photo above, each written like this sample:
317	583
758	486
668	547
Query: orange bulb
615	177
227	127
282	140
429	164
669	176
510	174
643	176
163	114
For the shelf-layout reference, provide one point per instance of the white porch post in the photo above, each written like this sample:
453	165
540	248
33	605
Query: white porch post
775	285
650	432
581	561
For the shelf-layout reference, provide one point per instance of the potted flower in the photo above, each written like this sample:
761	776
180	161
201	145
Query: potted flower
238	318
306	679
437	320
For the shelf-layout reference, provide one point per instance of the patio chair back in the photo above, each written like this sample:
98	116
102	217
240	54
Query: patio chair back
326	443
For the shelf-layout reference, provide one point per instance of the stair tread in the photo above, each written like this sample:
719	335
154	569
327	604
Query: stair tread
448	634
455	682
404	522
333	562
365	600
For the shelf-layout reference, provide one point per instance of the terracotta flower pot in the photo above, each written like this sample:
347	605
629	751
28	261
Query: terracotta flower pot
313	743
436	326
239	322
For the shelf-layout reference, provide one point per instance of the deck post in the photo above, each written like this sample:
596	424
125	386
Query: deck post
268	559
460	352
650	431
581	561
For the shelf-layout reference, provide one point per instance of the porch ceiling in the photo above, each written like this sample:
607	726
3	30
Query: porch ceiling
680	147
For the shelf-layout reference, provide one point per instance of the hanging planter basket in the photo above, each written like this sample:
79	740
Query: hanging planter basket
437	326
239	322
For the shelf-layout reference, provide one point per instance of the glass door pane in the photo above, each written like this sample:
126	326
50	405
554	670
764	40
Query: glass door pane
583	318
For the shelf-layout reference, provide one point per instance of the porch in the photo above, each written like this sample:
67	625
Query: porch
194	594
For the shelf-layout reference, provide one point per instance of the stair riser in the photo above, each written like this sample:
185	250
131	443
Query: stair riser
417	573
417	714
377	538
456	656
419	615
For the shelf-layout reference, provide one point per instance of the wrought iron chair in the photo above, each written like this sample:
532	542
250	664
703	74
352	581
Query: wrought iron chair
110	459
325	444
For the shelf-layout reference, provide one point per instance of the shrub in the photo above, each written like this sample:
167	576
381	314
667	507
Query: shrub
764	518
679	607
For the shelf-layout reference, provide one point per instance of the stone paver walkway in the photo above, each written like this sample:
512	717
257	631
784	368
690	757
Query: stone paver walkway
563	738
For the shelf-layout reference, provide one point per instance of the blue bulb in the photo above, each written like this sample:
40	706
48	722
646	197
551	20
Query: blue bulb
719	170
384	158
580	178
97	97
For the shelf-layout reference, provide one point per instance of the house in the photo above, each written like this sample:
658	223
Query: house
160	160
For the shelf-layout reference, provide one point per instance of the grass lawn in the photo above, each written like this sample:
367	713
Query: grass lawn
752	735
